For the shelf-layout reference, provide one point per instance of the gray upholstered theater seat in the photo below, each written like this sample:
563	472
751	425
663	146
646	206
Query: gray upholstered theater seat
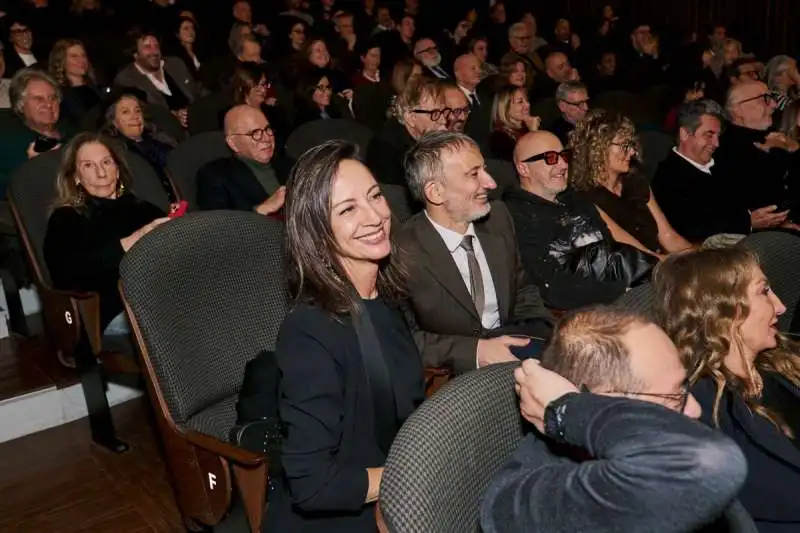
448	451
779	254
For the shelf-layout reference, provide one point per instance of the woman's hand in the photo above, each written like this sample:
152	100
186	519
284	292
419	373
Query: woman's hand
347	94
128	242
538	387
532	123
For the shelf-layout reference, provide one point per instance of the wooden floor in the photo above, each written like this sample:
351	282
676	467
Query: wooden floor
57	481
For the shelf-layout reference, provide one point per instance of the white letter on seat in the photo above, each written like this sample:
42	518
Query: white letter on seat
212	480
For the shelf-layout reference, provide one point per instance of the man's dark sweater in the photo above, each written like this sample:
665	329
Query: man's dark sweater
697	204
756	178
628	465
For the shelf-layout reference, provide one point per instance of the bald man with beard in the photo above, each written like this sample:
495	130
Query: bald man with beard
552	221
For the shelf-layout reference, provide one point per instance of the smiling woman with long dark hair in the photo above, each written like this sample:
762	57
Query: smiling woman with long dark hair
340	406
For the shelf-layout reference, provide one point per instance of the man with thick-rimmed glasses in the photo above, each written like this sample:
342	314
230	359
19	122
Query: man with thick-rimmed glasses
252	179
572	98
617	448
760	165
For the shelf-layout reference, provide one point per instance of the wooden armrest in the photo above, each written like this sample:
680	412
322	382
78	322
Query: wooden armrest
68	313
381	523
435	378
227	450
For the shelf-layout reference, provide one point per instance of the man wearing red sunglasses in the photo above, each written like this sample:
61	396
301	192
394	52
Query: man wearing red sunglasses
552	221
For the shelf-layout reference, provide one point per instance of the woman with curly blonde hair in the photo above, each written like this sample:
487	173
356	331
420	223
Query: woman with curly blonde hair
718	308
604	146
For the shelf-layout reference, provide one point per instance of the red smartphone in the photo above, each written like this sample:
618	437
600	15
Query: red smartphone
178	209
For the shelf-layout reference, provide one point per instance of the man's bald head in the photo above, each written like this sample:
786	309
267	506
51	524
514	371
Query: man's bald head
547	176
750	105
558	67
248	133
467	69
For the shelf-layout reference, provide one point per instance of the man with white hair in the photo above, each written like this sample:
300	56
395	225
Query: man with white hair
427	52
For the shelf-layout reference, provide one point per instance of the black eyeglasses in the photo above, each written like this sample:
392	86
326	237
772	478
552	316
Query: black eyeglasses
550	157
426	50
435	114
678	399
579	103
259	135
323	87
766	97
457	112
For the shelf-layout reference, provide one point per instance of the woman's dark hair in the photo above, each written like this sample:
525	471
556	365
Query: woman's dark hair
246	76
315	272
308	83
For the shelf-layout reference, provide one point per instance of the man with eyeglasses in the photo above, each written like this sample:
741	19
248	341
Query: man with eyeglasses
457	112
252	179
427	53
20	54
572	98
760	165
617	446
551	221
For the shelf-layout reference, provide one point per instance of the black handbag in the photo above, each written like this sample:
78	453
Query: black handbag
610	261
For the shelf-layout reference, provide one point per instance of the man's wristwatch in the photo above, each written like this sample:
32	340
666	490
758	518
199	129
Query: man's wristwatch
554	415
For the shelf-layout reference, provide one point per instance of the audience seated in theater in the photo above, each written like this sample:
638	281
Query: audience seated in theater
342	264
251	86
521	49
692	192
369	72
718	308
468	291
782	78
604	146
572	98
617	448
314	100
5	83
511	119
513	72
316	57
19	53
373	103
553	224
558	70
96	218
479	47
761	164
167	81
458	110
252	178
468	76
125	120
396	43
418	109
607	76
345	44
71	69
642	62
35	99
184	46
427	52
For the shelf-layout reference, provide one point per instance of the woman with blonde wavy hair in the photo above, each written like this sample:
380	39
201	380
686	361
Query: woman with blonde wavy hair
604	148
719	310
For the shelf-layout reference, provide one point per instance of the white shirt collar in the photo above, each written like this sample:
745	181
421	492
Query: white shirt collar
702	168
452	239
466	92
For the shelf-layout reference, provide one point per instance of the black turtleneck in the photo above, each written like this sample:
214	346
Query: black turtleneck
756	178
82	248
